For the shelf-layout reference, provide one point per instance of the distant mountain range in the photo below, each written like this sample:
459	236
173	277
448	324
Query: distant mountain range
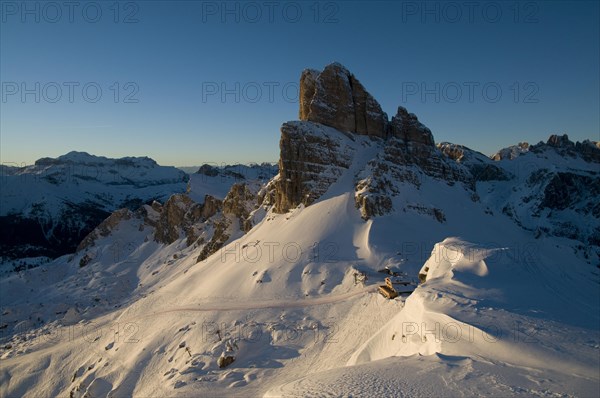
261	280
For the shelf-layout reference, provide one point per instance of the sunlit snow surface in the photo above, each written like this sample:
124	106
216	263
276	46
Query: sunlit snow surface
501	313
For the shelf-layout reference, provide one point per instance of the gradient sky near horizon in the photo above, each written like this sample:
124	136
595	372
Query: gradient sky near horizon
191	82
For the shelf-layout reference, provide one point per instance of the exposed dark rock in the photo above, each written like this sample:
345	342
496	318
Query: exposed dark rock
560	141
210	207
181	215
569	190
237	215
311	160
407	127
511	152
73	194
335	98
208	170
225	361
239	203
588	150
481	167
105	228
220	236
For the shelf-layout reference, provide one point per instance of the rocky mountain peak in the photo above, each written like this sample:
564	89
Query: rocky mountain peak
560	141
335	111
335	98
511	152
407	127
588	150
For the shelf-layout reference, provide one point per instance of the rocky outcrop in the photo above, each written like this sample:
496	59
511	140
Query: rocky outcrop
588	150
237	217
105	228
225	361
48	208
210	207
308	82
312	158
560	141
208	170
239	203
407	127
512	152
337	118
404	162
227	171
335	98
480	166
207	226
181	215
220	236
572	191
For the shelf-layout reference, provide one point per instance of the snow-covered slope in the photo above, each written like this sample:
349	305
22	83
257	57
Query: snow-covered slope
284	303
504	309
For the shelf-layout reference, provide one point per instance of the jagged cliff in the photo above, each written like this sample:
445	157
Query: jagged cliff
390	165
336	109
312	159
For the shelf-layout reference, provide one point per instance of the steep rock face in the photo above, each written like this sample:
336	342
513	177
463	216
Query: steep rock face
512	152
239	203
404	162
308	82
560	141
588	150
312	158
335	98
210	207
481	167
105	227
556	200
206	226
237	217
554	187
407	127
181	214
568	190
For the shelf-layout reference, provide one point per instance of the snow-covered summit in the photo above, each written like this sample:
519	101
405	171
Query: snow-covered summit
48	207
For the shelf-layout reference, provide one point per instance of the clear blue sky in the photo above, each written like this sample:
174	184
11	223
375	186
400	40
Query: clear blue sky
544	56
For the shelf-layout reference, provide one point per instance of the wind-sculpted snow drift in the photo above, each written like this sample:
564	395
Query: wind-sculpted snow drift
261	277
